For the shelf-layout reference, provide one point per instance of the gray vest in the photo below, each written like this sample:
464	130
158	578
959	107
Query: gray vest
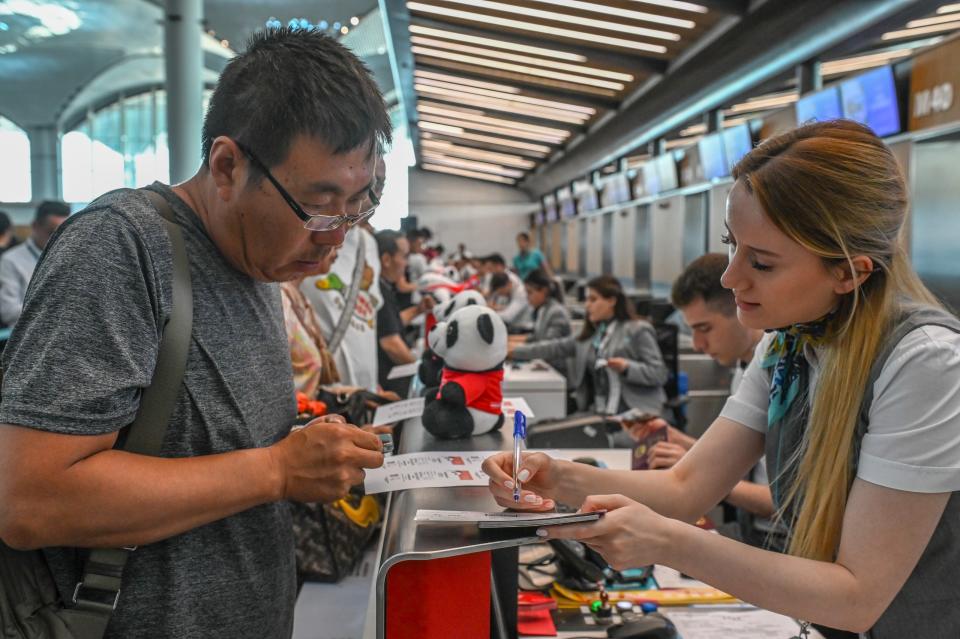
928	605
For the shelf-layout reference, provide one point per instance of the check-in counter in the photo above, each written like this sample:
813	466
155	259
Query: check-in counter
445	581
540	384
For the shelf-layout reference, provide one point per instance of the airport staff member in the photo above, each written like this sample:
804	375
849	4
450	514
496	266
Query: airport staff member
711	313
617	361
859	423
289	145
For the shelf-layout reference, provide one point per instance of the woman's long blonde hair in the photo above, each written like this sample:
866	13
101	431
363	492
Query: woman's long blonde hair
836	189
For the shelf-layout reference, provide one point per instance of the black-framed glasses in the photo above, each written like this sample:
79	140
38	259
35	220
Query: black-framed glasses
320	220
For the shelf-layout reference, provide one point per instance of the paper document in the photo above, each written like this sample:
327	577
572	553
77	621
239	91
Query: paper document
427	470
747	623
399	411
403	370
511	405
503	519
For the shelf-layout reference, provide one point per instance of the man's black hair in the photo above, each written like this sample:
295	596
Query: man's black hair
524	235
388	242
498	281
701	280
494	258
290	82
51	208
5	222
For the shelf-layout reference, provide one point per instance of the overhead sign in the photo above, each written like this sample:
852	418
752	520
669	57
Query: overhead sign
934	83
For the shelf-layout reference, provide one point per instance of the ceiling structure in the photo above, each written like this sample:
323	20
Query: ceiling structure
901	41
496	87
536	93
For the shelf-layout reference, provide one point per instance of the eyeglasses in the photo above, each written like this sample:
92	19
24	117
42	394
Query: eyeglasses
318	219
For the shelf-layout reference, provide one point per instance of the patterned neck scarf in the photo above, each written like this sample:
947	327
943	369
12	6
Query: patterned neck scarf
598	336
785	357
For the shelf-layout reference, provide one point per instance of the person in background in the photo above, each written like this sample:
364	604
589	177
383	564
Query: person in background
509	299
7	239
207	522
711	313
391	318
355	353
617	361
853	396
551	320
313	365
17	264
529	258
416	261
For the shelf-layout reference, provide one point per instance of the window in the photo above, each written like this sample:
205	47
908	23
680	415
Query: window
15	163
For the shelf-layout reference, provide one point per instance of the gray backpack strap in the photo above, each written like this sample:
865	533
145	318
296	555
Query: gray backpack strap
352	293
102	572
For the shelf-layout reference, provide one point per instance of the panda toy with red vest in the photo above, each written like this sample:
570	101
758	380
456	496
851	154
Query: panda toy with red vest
473	345
431	364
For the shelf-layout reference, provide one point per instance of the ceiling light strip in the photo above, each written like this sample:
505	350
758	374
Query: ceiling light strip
518	68
479	154
471	174
926	22
474	165
642	16
500	55
502	105
909	33
443	77
437	109
497	44
676	4
537	28
487	128
948	8
458	89
566	18
430	129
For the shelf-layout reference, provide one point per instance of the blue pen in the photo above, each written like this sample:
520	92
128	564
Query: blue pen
519	434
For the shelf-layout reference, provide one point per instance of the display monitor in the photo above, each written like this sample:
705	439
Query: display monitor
737	142
565	203
871	99
550	208
820	106
586	196
712	156
651	177
667	171
615	190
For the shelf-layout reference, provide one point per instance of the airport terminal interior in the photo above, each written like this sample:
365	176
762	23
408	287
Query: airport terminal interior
615	232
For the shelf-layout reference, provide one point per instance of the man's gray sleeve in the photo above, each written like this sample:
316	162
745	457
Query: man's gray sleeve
11	292
86	343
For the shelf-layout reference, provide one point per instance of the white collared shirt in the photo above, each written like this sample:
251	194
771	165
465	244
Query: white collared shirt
16	269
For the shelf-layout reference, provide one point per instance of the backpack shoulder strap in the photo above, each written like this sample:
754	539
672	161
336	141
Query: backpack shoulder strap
96	595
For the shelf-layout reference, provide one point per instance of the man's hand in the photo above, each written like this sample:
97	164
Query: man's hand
665	455
322	460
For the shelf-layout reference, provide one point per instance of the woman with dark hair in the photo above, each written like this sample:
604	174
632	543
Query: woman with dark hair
617	364
551	320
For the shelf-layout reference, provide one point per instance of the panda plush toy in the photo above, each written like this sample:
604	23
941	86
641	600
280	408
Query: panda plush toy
473	345
431	364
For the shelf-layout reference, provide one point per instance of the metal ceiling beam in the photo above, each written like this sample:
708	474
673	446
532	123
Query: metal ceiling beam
602	58
396	30
768	42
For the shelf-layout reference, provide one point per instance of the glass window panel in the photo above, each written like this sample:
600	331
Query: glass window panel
15	177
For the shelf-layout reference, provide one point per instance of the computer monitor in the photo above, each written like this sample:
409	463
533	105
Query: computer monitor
819	107
712	156
737	142
871	99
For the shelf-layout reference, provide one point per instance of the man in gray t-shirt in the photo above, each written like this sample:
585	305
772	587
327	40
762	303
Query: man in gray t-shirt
215	547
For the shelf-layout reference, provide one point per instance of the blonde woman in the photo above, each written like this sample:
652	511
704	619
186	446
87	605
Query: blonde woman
853	397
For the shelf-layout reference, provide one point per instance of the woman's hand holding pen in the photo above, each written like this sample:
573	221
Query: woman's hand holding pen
537	478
